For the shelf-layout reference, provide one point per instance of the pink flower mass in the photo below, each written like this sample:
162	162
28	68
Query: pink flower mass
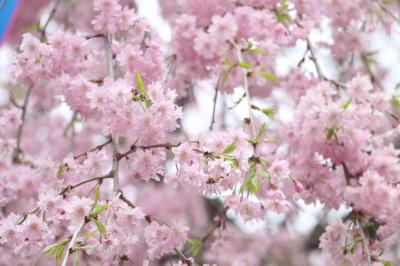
258	132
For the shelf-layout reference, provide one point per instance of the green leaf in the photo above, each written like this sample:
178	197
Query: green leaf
51	249
227	63
331	132
267	75
244	64
226	74
142	89
264	174
59	253
97	197
270	112
99	209
76	259
250	182
61	169
230	148
261	131
387	263
89	235
195	247
346	104
86	247
253	48
233	161
396	102
101	227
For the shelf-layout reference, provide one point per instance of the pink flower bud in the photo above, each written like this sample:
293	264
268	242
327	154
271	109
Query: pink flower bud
297	186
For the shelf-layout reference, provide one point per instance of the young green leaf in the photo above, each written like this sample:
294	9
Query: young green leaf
346	104
233	161
76	259
101	227
99	208
61	169
331	132
250	182
387	263
230	148
59	253
270	112
227	63
195	247
244	64
267	75
396	102
142	89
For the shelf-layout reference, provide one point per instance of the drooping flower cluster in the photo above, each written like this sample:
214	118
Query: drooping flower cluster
96	167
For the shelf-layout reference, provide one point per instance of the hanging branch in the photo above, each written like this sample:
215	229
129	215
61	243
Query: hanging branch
214	106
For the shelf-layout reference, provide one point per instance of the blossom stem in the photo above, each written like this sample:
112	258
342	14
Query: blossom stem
72	242
247	91
115	161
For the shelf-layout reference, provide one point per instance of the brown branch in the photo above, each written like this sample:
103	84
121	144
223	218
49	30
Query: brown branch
66	190
183	258
97	148
17	151
387	11
46	24
214	107
317	65
214	227
313	58
134	148
372	76
85	181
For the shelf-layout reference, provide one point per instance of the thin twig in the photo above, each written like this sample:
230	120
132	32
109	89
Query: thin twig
183	258
246	89
314	58
372	77
72	242
364	240
134	148
17	151
214	106
85	181
214	227
97	148
115	153
46	24
66	190
385	9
